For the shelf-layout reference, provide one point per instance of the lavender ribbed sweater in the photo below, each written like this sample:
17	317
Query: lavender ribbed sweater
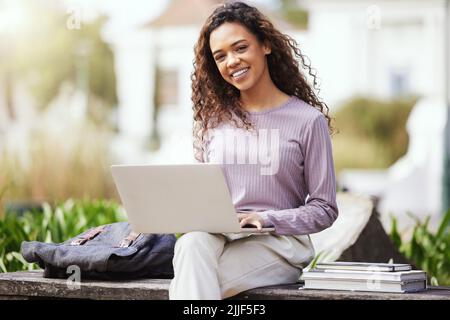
284	168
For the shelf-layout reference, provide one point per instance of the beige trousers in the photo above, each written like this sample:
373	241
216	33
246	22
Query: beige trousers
218	266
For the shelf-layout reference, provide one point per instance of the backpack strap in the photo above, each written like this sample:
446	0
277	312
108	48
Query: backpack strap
132	236
88	236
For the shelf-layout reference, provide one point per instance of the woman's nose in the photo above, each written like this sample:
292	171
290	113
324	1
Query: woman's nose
233	60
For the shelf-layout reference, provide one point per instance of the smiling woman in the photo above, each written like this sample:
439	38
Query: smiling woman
246	76
241	63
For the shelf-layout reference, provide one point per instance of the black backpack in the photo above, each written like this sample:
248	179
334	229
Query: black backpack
107	252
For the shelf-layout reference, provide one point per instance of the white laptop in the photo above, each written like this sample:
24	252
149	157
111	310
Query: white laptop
178	198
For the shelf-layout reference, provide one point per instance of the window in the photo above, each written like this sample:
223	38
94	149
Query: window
399	86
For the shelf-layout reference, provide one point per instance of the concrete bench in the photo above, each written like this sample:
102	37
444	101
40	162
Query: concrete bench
31	285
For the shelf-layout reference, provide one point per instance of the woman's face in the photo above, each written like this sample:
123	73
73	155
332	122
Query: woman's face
239	56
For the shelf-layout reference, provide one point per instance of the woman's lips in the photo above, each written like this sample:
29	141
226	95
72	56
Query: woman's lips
241	74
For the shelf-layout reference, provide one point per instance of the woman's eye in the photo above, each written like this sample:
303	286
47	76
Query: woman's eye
218	58
242	48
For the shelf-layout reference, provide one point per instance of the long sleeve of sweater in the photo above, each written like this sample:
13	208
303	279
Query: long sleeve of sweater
320	210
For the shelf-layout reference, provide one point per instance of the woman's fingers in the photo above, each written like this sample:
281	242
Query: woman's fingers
252	221
246	215
250	218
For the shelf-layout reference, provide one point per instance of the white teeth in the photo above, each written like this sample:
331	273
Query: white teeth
240	72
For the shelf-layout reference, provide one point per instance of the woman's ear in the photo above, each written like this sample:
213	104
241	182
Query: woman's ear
267	48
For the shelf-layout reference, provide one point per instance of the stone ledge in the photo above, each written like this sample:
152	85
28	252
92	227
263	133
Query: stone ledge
31	285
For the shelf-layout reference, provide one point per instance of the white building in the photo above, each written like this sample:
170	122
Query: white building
384	48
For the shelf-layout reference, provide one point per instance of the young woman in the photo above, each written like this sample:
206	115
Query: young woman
256	114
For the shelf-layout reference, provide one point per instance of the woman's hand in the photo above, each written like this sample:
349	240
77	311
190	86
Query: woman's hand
252	218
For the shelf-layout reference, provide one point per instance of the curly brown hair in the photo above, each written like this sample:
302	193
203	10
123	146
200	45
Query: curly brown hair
215	100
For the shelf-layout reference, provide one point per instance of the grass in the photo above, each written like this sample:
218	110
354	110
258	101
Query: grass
55	168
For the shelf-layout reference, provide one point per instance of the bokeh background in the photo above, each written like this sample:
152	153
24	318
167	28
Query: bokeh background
86	84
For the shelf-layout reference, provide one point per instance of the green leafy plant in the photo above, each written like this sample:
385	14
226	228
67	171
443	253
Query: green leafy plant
318	257
53	224
427	250
322	256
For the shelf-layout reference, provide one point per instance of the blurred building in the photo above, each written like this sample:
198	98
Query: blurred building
388	49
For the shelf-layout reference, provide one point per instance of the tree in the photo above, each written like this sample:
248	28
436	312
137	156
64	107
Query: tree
46	54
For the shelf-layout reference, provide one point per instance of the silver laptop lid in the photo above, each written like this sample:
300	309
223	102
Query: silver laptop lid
176	198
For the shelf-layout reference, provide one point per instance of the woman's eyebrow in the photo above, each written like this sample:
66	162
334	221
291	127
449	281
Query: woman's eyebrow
234	43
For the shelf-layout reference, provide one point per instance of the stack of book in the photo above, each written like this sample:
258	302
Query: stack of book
361	276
